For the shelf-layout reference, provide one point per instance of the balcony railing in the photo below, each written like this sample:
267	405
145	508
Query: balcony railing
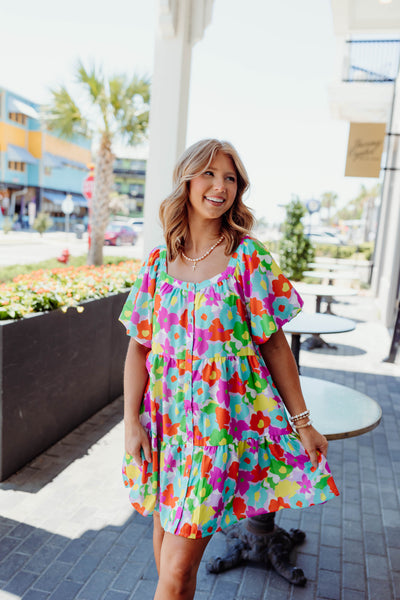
374	61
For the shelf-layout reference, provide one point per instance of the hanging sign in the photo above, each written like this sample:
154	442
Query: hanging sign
364	150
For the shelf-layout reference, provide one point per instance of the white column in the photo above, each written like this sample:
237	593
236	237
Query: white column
181	23
387	252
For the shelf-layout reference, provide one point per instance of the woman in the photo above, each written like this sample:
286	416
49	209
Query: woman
209	373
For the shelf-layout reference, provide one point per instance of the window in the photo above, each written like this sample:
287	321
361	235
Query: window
136	189
17	117
16	166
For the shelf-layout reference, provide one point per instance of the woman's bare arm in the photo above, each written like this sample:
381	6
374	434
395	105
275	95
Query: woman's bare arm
281	364
135	381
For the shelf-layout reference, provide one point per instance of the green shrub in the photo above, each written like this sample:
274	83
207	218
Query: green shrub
8	223
345	251
42	223
367	249
295	249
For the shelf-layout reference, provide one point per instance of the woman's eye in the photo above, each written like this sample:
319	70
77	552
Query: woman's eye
231	178
208	173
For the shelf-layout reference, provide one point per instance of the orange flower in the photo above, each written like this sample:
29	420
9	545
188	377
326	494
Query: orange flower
190	531
218	332
239	507
259	422
211	373
251	262
167	496
256	307
222	416
236	386
275	505
277	451
183	321
206	465
233	470
144	330
332	486
168	427
282	287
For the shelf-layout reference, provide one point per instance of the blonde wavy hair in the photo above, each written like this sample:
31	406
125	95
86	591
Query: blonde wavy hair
196	159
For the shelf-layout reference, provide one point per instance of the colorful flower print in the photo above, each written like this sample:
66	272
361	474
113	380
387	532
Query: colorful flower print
223	448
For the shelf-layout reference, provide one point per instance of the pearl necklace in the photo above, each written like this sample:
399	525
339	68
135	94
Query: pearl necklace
196	260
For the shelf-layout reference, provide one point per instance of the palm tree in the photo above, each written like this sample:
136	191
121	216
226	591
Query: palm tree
114	108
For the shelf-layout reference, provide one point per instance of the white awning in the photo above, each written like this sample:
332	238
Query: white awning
18	106
19	154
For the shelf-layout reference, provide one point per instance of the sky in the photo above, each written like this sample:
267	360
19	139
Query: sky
259	79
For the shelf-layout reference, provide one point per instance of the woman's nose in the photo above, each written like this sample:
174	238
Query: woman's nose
219	184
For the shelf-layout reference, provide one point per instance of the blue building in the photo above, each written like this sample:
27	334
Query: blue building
38	168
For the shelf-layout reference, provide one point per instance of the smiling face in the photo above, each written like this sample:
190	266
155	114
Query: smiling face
213	192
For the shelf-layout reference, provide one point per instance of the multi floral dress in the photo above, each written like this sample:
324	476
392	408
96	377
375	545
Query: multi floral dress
222	446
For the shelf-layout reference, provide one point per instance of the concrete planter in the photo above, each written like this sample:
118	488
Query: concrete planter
56	370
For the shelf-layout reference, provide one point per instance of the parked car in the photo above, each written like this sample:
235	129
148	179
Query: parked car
137	224
118	233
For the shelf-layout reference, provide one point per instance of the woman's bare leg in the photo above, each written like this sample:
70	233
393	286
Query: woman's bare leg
179	562
158	536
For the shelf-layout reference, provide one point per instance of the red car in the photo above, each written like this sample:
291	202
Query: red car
119	233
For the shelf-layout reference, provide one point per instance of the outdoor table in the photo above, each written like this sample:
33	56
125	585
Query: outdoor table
330	275
331	266
323	291
315	324
338	412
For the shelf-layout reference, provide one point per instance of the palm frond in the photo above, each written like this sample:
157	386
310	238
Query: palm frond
139	86
130	104
135	127
64	116
118	96
92	79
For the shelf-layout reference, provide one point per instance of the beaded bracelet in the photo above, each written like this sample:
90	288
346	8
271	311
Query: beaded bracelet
302	415
308	424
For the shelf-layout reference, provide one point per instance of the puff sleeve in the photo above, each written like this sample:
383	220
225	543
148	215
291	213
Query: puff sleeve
137	312
271	300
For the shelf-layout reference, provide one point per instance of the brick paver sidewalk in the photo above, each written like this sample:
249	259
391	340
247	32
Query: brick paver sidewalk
67	530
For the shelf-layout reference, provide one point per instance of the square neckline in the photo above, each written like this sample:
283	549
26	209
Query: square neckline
205	282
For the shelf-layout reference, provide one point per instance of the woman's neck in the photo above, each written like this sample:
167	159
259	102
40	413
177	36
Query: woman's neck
201	238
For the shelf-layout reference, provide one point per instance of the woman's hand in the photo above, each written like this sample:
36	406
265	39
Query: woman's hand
136	438
313	441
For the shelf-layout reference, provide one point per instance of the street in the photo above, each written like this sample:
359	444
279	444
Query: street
18	247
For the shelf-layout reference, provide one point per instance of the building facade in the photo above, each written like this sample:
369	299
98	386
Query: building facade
129	182
366	89
38	168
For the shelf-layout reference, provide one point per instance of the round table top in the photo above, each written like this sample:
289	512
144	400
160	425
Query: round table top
316	289
338	411
331	266
330	275
318	323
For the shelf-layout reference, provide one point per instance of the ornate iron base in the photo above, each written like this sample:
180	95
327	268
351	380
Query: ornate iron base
258	539
316	341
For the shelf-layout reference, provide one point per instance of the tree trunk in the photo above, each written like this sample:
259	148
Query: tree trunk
100	212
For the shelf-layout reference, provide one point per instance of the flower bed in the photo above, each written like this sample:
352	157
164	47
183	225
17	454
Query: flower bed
45	290
58	367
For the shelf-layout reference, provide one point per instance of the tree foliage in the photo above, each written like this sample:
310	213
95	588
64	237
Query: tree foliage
354	209
42	223
108	109
296	250
328	201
